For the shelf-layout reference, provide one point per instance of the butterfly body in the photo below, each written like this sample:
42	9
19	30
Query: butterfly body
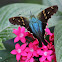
36	25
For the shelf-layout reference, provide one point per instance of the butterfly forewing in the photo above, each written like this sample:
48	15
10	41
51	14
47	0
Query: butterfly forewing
19	21
47	13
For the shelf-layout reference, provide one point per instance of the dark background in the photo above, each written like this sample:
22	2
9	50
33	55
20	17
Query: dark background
5	2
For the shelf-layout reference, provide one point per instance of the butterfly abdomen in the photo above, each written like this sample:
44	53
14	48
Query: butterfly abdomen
36	26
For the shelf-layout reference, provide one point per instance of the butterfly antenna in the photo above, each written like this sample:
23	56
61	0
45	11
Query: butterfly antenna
30	13
40	8
19	14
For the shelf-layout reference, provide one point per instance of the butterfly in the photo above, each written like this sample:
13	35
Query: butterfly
36	25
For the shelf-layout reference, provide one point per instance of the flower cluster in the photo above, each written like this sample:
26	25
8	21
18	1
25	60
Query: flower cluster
31	52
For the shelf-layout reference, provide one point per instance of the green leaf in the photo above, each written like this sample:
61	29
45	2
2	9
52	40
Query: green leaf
32	1
53	2
1	45
11	59
4	55
54	20
24	9
9	44
58	41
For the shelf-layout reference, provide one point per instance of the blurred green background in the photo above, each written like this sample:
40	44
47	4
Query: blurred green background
5	2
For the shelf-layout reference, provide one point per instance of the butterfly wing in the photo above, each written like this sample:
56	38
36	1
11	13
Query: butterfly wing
19	21
44	16
47	13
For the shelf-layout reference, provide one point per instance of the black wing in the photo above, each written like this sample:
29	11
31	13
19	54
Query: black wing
44	16
20	21
47	13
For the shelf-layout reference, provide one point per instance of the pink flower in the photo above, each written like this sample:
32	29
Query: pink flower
20	34
47	30
50	45
19	50
54	57
32	49
45	54
51	37
25	59
44	47
46	61
30	59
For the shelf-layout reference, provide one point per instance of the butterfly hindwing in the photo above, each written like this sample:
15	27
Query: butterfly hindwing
19	21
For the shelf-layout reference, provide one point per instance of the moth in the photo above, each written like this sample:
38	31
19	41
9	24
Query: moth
36	25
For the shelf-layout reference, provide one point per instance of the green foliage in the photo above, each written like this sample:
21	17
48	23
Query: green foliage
58	41
5	56
32	1
1	45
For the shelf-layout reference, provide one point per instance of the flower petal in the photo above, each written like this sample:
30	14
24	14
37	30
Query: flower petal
30	45
18	57
31	60
23	29
48	31
49	58
19	29
38	51
23	40
36	42
50	52
15	31
23	53
35	54
27	49
29	55
17	46
24	57
13	52
26	33
16	39
51	37
23	46
42	59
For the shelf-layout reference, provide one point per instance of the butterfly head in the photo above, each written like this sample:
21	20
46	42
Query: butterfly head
31	15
